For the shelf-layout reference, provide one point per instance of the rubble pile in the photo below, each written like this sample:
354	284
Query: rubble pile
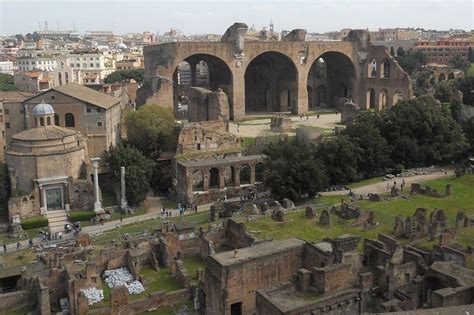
122	277
93	295
418	171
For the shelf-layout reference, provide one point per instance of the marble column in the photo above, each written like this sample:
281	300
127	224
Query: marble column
45	201
123	200
97	203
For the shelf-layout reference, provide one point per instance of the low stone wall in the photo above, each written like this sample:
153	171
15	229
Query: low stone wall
190	246
13	300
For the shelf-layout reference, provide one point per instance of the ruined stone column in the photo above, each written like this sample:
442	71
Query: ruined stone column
45	202
123	200
252	174
97	203
205	181
221	178
236	176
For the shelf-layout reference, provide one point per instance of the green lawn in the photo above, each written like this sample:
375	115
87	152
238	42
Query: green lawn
296	225
462	199
192	263
154	281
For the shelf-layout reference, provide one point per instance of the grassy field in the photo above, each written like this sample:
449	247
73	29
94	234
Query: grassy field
296	225
192	263
155	281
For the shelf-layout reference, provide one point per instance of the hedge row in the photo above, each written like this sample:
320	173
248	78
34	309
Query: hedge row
34	222
81	215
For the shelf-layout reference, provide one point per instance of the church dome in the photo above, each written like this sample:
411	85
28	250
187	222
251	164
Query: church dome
43	109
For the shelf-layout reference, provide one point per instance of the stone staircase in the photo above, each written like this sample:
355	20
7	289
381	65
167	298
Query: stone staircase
56	220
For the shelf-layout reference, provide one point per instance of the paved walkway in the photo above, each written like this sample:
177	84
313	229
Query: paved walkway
381	187
153	213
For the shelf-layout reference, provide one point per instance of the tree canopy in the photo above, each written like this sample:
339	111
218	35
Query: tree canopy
138	171
293	171
411	61
120	76
7	83
152	129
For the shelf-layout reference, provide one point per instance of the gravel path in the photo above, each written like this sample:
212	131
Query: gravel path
382	186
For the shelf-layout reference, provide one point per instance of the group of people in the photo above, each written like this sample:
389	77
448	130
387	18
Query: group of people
73	228
45	235
250	194
402	185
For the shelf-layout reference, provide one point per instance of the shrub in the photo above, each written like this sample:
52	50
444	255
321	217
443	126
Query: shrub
81	215
34	222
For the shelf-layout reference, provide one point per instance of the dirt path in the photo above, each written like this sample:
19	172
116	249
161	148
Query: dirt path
261	127
382	186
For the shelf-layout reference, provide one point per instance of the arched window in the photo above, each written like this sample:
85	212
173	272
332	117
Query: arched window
385	70
442	77
60	78
370	99
372	69
69	120
56	119
66	77
41	121
383	99
48	121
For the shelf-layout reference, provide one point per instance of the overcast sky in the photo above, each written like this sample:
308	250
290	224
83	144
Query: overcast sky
199	17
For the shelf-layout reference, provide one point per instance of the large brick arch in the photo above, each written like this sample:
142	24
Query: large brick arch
271	83
161	61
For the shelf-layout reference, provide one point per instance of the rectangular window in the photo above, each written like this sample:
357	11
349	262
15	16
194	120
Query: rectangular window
99	110
97	65
7	111
88	110
92	65
7	125
84	65
99	124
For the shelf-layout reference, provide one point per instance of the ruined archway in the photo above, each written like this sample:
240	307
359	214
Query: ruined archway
259	172
271	84
442	77
245	174
331	78
201	70
198	181
383	99
397	96
214	178
385	69
451	76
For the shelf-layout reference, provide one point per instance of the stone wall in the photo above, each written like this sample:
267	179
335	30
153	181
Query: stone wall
453	296
236	235
14	300
331	278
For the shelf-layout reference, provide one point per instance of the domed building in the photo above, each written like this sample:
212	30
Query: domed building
47	167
